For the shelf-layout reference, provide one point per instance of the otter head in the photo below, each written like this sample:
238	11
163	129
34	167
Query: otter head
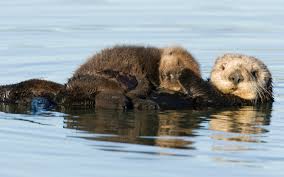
242	76
173	61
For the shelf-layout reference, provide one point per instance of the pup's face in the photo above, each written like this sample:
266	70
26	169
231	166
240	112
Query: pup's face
173	61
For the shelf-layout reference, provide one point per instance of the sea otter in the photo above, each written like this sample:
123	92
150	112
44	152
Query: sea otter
128	74
235	80
121	88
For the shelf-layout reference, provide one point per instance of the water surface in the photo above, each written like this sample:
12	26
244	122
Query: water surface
49	38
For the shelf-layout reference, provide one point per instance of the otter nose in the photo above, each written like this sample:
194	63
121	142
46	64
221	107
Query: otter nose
236	77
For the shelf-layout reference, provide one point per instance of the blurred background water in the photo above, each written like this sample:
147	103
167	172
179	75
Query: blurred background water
49	39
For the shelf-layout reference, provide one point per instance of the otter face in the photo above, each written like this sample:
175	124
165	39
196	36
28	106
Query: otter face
242	76
173	61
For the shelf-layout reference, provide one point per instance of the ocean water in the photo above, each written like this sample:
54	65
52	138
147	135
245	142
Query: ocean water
49	39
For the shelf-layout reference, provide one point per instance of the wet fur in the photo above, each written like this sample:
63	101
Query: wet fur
130	73
24	92
133	61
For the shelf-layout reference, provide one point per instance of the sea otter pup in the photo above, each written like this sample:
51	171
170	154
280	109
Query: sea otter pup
124	74
235	80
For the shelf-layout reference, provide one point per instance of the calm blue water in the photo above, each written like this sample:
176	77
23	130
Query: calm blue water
49	38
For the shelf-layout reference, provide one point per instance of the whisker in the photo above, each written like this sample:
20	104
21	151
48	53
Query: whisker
259	92
267	94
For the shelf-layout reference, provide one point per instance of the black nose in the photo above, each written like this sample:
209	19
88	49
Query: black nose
236	77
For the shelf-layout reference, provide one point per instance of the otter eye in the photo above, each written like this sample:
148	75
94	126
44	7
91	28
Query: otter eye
254	74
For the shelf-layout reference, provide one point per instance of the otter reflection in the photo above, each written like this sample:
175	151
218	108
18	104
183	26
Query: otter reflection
243	124
177	125
164	129
172	129
16	109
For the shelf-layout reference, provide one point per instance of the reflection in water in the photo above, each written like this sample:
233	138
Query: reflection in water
171	129
235	130
163	129
241	125
11	108
176	124
114	126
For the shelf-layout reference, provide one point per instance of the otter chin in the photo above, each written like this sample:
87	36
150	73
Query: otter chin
243	76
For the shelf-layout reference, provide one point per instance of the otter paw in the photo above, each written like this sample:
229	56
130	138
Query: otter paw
112	100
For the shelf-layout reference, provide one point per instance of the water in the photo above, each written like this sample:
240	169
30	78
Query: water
50	38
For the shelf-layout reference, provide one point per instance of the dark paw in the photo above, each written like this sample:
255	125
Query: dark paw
185	76
112	100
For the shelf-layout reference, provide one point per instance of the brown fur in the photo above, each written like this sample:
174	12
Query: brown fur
134	61
24	92
133	72
151	67
99	91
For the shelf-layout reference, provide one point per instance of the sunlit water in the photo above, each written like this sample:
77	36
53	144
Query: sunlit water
50	38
